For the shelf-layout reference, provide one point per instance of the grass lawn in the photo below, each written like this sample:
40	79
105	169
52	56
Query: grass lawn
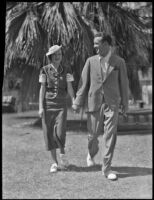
26	164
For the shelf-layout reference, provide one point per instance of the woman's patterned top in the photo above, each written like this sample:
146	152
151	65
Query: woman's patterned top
56	84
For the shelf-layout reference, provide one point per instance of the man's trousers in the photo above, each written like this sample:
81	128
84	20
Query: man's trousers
103	121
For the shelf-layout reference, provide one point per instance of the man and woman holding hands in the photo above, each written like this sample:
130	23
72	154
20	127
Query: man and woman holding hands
104	81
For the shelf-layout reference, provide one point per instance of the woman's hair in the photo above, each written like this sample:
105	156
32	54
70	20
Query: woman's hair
50	56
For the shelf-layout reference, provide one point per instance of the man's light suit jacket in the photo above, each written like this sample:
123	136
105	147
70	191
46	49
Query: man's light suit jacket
114	86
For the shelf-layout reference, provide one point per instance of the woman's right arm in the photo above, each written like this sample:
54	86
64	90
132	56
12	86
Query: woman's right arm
41	98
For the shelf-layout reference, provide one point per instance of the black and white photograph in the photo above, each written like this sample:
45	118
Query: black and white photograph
77	100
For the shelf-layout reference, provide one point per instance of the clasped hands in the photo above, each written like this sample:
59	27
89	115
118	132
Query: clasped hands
75	108
123	111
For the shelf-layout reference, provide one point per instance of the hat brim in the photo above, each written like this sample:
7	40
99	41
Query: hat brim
52	52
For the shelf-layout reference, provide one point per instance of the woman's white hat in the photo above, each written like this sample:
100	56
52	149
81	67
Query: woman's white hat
53	49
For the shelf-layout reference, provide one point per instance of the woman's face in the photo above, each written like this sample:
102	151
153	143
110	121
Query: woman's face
57	56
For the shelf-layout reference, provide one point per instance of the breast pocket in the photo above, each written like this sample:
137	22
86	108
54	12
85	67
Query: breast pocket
115	72
113	77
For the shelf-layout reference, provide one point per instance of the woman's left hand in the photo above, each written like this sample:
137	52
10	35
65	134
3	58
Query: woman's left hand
41	111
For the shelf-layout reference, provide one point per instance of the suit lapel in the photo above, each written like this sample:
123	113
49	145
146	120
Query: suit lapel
110	68
98	65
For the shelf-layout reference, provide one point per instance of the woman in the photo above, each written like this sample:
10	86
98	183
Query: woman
55	81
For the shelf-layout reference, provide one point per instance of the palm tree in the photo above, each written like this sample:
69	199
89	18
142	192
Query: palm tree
31	27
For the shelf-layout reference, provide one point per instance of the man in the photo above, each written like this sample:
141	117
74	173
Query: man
104	79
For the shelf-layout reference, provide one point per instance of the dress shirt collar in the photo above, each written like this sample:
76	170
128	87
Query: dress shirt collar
106	58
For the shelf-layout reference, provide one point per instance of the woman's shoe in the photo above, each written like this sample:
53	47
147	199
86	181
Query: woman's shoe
90	161
54	168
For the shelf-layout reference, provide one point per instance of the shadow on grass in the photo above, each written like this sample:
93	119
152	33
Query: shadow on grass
125	171
83	169
122	172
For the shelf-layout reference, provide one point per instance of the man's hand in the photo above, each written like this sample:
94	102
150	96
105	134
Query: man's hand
123	110
76	108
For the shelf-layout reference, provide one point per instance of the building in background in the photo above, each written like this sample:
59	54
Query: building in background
146	85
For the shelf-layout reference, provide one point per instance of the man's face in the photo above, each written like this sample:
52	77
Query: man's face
101	48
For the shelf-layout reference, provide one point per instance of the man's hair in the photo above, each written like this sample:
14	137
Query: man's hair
105	37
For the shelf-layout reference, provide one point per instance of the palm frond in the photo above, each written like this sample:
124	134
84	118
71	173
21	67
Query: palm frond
127	26
25	37
60	20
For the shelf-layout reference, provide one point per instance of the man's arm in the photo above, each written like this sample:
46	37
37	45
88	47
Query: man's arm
83	85
124	86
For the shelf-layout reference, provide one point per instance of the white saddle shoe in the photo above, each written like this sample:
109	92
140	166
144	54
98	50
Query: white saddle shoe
110	175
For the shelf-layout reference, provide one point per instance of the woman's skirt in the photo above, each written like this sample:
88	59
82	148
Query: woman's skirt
54	127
